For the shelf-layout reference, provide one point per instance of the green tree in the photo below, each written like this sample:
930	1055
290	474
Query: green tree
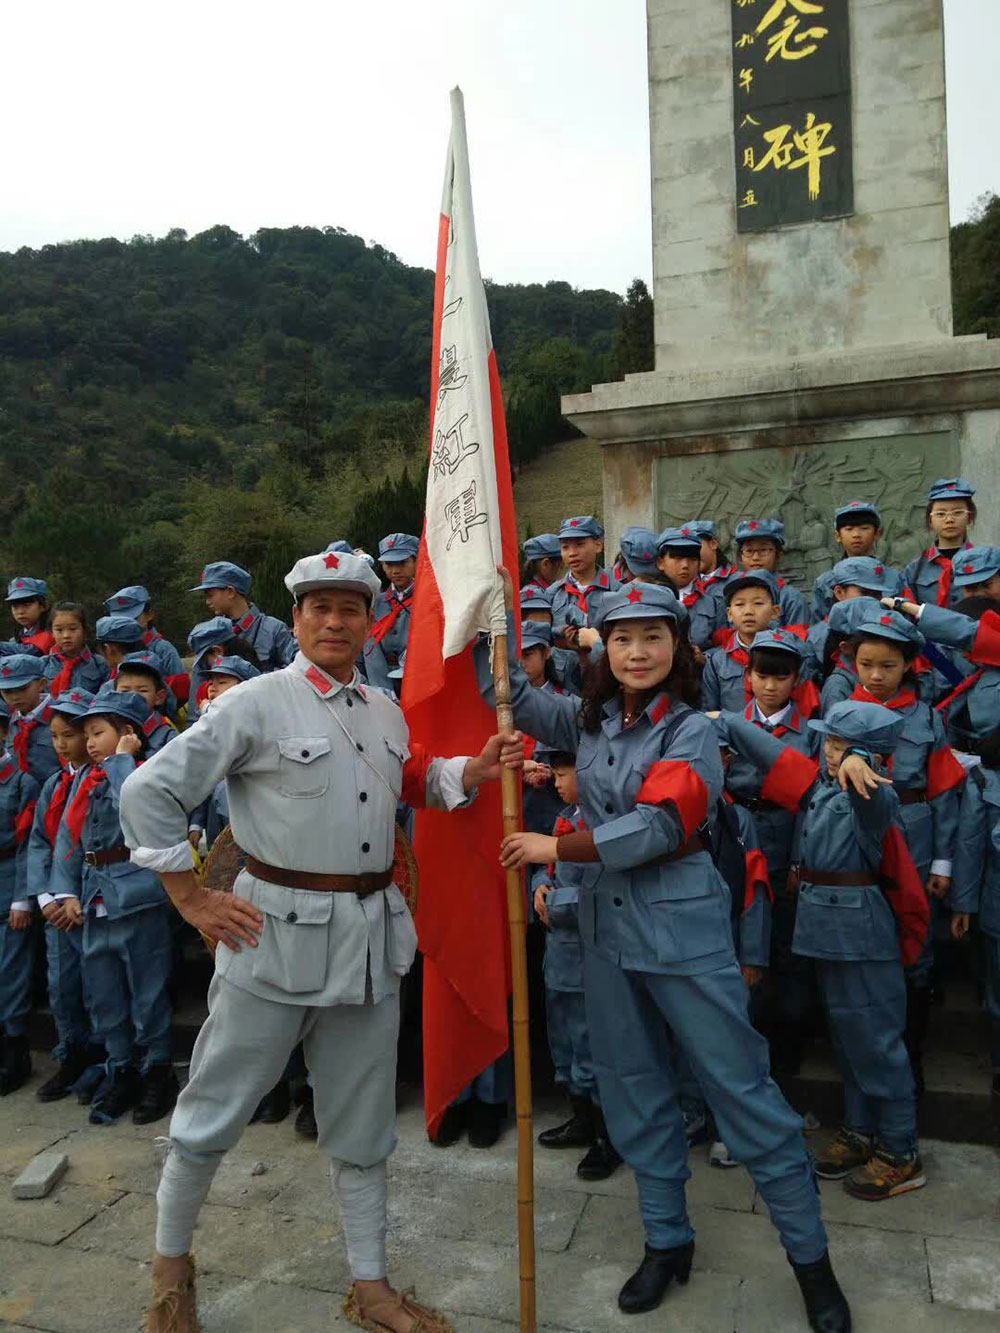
634	347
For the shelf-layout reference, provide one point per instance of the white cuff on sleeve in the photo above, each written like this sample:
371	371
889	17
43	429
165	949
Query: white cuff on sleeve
941	868
44	899
450	776
165	860
24	906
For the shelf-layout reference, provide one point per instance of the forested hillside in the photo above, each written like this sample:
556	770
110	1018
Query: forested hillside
164	402
169	401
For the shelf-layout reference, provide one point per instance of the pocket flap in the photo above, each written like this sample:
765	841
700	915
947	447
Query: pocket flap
296	907
397	748
835	897
304	749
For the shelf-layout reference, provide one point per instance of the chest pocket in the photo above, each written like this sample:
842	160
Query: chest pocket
304	765
397	755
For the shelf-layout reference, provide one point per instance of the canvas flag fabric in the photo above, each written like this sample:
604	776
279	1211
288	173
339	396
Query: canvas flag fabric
469	529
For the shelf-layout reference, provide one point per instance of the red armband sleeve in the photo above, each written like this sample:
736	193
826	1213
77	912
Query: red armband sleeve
944	773
671	782
757	878
985	650
790	778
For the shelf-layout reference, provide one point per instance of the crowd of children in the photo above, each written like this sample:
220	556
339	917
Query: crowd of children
838	897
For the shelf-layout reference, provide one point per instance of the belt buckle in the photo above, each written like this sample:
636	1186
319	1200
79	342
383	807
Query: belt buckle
366	885
90	858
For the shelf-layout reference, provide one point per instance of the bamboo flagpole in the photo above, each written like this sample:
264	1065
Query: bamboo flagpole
511	795
470	531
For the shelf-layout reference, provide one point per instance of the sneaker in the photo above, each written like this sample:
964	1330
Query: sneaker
695	1127
843	1154
117	1094
884	1176
718	1155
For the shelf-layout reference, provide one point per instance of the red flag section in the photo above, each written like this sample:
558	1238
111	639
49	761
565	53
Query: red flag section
461	916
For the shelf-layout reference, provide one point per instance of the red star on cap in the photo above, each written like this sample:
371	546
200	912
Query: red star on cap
753	525
855	504
969	569
119	601
19	583
5	671
634	596
74	698
574	522
951	487
331	561
778	634
391	541
885	621
528	593
879	570
685	532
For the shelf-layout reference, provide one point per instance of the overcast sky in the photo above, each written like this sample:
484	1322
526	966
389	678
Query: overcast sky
141	116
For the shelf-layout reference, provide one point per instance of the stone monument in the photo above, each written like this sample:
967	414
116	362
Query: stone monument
804	346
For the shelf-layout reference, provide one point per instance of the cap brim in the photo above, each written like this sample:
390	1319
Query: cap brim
641	611
817	724
334	585
17	682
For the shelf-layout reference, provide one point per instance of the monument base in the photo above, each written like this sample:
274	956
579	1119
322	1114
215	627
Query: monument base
792	440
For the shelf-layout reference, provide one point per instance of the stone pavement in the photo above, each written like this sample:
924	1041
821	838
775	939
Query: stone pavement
272	1258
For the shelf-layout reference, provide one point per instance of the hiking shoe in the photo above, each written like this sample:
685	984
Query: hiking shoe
884	1176
718	1155
157	1095
61	1083
843	1154
117	1094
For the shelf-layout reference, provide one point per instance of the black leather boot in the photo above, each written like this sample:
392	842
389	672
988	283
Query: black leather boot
826	1307
15	1070
117	1094
602	1158
305	1121
157	1095
576	1132
61	1083
486	1122
274	1106
648	1284
453	1125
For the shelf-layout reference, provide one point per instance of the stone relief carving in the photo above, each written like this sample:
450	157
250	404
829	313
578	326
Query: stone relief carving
803	486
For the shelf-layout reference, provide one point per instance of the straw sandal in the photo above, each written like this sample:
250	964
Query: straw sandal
425	1319
173	1309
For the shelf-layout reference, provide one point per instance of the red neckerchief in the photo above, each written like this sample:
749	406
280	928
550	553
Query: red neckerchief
42	639
695	595
782	729
76	811
22	736
398	605
904	699
539	581
957	693
64	679
57	805
718	575
934	557
580	594
151	636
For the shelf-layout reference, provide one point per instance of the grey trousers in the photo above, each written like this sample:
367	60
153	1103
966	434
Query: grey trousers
240	1054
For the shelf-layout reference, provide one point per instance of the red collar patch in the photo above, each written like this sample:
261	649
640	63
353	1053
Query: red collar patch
318	681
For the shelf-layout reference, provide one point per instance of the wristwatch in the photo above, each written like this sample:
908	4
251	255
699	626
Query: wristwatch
862	753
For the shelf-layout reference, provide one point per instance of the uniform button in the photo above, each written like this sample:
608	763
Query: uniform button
362	796
360	746
611	760
350	702
366	846
812	805
305	754
609	807
292	917
617	902
834	898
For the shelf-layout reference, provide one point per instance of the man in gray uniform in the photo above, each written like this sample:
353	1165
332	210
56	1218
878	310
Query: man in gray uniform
312	945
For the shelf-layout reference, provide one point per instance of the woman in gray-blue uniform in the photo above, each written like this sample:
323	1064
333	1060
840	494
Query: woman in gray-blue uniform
975	885
658	946
774	663
928	780
862	915
127	945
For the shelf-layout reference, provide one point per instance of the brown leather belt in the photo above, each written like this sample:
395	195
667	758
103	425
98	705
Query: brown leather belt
109	858
361	885
694	844
914	796
839	879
